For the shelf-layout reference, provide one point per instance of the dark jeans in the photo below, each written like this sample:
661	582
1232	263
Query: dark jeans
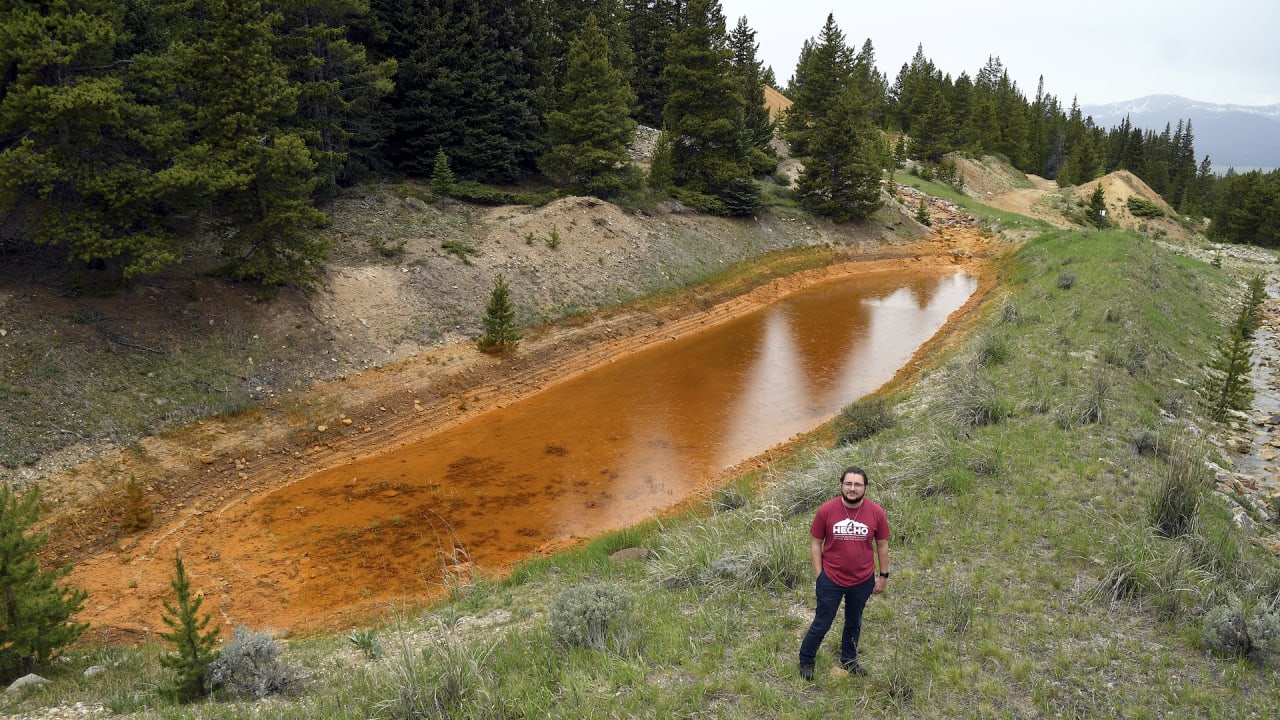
829	596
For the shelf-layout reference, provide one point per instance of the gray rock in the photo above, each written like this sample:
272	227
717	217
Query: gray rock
94	670
28	680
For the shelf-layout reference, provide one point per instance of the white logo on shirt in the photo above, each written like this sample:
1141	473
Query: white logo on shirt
850	530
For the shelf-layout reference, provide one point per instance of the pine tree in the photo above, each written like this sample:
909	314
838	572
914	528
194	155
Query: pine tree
35	613
653	24
1082	163
981	133
590	132
260	172
841	177
1229	386
194	646
870	83
907	100
471	80
80	152
1241	204
1249	318
899	155
961	98
1098	207
757	126
704	111
1014	129
567	19
823	73
500	334
340	89
932	128
442	179
662	175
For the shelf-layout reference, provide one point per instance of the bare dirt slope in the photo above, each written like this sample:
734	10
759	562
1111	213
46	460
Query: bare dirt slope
1001	186
1117	188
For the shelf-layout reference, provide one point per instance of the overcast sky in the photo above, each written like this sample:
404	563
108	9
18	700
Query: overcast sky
1221	51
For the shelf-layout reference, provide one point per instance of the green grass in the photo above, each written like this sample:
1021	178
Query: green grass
1027	579
988	216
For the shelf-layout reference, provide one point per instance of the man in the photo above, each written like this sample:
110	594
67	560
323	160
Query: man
844	561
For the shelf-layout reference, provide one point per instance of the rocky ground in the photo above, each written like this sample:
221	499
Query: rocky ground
1252	440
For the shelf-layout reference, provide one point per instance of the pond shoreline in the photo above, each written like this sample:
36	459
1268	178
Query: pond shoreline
215	465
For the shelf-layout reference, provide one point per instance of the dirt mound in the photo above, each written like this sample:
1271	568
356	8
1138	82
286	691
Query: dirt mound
775	101
1122	186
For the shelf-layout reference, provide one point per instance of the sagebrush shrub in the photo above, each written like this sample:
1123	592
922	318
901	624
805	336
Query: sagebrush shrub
1010	314
812	483
1133	355
1089	406
864	418
1264	631
589	615
1147	441
727	499
1223	630
250	665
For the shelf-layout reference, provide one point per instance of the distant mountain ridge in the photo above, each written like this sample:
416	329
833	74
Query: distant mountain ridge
1245	137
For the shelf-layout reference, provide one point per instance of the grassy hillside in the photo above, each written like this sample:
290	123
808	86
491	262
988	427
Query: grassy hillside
1028	580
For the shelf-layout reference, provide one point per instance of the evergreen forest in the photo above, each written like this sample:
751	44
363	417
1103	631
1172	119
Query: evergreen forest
135	134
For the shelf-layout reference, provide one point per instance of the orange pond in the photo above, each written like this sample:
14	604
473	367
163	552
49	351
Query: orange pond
611	447
606	449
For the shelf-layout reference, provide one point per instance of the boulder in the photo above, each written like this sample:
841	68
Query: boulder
28	680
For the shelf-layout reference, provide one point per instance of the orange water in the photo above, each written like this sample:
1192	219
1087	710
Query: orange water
611	447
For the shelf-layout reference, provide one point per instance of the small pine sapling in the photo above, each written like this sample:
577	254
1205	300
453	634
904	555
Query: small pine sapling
499	320
1098	207
442	179
922	214
193	644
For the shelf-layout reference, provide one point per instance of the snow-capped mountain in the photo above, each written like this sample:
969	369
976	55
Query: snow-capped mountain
1241	136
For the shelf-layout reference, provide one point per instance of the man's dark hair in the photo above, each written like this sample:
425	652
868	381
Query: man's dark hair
855	470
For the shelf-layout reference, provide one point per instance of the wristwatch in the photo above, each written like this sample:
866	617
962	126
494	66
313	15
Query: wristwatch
884	574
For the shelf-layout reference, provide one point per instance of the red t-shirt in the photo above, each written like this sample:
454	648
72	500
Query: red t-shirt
849	535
